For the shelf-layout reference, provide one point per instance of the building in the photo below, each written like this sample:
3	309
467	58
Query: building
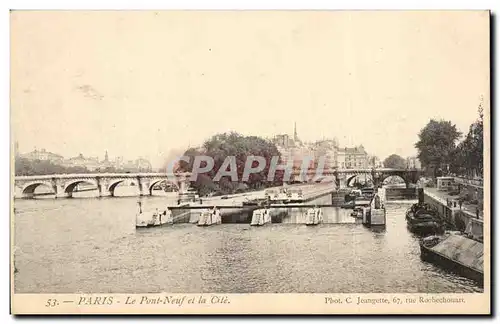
283	140
129	166
293	149
334	157
285	154
328	149
139	165
143	165
90	163
413	163
352	158
375	162
43	155
341	161
106	163
118	162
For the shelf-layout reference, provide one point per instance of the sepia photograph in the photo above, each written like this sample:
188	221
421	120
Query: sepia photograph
193	158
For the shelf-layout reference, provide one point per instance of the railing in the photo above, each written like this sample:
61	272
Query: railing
97	175
468	181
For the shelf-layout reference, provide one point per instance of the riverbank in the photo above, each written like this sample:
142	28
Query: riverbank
443	197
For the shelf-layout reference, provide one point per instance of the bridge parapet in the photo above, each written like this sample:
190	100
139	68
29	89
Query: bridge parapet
63	184
344	177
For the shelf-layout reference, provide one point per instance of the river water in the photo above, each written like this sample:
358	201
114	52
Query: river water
91	246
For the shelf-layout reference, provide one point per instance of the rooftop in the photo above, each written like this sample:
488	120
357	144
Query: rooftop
353	150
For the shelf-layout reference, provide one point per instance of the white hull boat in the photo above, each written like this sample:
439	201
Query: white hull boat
260	217
210	217
314	216
152	219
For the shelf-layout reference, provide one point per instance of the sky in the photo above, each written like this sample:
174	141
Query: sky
150	84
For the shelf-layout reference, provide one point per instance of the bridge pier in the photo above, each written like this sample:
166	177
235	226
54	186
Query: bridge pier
183	189
58	188
103	187
144	186
342	182
62	194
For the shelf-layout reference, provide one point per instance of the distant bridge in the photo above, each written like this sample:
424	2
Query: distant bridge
344	177
63	185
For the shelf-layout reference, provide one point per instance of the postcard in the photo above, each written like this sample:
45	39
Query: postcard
250	162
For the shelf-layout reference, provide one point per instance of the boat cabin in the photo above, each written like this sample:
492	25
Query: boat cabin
445	183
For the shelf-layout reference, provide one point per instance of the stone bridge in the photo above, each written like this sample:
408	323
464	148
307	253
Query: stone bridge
63	185
344	177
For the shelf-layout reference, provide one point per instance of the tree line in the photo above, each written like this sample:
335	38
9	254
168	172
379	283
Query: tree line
223	145
441	152
395	161
27	167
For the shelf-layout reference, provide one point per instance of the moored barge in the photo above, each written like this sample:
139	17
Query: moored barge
455	252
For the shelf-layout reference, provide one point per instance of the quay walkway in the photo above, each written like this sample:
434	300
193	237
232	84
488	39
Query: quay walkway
443	196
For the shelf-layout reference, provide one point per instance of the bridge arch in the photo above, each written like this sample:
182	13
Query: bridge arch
115	184
354	176
154	182
70	186
401	176
28	190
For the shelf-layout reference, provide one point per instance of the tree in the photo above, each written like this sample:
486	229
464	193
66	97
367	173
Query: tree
468	156
220	146
395	161
27	167
204	185
436	145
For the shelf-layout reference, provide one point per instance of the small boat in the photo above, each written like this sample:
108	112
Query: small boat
210	217
152	219
314	216
455	252
423	220
362	202
419	208
426	228
348	205
260	217
352	195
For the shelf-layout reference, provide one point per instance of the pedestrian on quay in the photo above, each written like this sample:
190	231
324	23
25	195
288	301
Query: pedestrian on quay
477	212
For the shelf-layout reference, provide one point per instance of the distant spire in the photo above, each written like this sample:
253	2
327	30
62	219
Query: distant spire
295	137
106	156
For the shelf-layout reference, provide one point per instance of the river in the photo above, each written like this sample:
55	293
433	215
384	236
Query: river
91	245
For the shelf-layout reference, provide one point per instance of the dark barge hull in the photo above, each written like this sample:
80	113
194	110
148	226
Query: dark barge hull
428	255
278	217
425	229
236	216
